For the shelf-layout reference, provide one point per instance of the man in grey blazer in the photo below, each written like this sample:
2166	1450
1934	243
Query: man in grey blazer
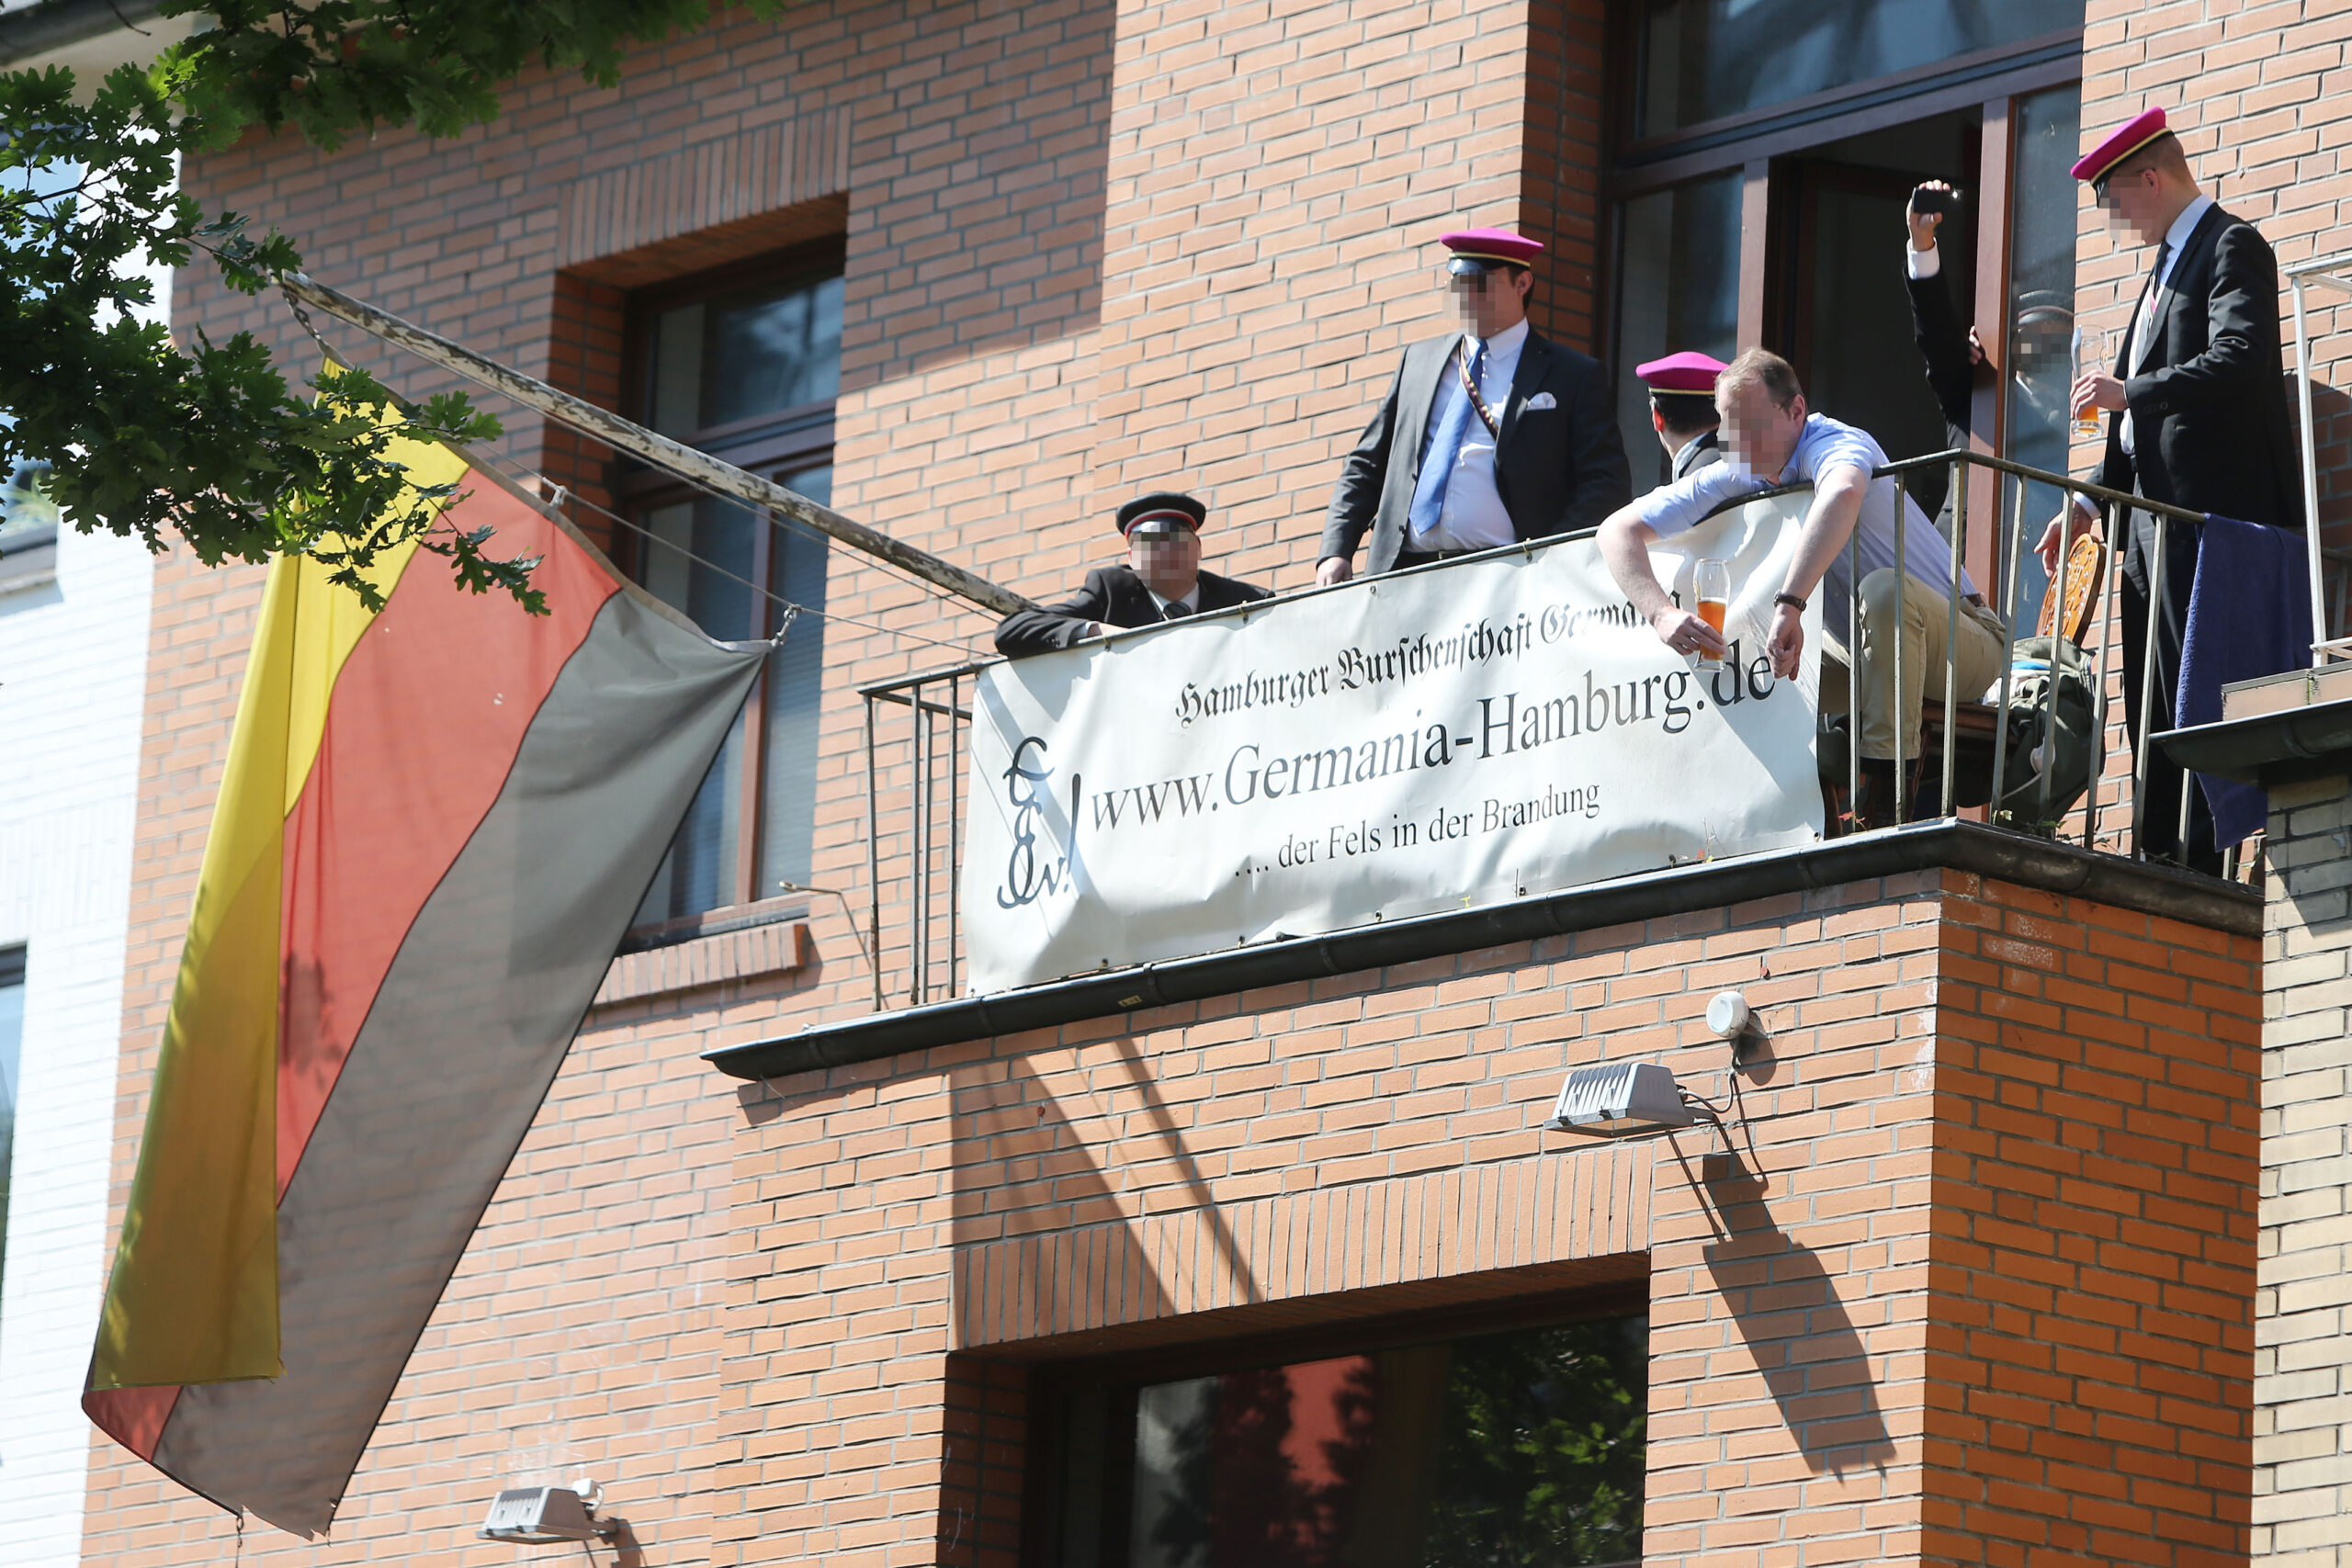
1488	435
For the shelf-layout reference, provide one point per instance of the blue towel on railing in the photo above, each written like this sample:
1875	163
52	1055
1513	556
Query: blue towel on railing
2249	615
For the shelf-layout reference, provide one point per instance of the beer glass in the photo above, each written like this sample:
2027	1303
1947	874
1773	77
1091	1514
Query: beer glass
1711	585
2090	359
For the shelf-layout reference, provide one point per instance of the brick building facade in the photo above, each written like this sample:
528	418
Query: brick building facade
1970	1280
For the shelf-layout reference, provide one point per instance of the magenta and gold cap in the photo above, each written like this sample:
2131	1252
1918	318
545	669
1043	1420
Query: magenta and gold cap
1686	372
2135	133
1482	250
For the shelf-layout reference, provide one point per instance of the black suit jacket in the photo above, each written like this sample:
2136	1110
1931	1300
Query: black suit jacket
1556	469
1943	343
1115	596
2209	394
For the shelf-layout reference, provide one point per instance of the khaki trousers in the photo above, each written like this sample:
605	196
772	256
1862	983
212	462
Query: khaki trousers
1899	604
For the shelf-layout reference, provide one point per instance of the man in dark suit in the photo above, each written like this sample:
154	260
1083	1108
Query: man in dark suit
1682	410
1951	353
1162	580
1486	436
2198	407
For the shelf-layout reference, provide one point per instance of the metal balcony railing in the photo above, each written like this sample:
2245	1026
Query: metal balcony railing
915	746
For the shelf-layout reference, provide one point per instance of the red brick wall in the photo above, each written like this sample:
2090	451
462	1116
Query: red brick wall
2091	1353
1845	1320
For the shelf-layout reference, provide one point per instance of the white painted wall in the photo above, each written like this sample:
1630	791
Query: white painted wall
73	683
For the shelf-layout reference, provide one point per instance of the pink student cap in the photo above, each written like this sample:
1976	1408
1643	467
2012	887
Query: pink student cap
1477	252
1162	515
1683	386
1684	372
2129	137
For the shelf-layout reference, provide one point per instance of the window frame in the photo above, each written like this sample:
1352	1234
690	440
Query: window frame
1053	1382
770	444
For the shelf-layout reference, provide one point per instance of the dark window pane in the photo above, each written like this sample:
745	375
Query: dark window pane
1705	60
1504	1451
698	560
2041	317
717	361
795	690
673	362
1680	291
774	353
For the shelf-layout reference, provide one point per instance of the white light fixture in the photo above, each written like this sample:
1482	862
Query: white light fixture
548	1516
1729	1016
1620	1099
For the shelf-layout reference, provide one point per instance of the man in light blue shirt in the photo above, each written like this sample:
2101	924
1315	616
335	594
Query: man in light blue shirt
1771	439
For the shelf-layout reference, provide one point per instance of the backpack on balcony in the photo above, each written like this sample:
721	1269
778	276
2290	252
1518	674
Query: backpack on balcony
2057	738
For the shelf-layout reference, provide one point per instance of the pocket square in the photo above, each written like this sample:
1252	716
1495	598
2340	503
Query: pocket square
1542	400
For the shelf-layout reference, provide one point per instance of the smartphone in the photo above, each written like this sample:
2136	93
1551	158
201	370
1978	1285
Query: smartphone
1924	200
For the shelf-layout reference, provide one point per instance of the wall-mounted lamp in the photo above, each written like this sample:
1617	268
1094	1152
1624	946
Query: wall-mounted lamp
1622	1100
548	1516
1729	1016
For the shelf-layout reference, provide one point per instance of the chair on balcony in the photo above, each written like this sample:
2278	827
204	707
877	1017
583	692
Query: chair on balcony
1971	727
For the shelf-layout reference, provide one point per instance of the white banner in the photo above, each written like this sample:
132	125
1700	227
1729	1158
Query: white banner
1439	739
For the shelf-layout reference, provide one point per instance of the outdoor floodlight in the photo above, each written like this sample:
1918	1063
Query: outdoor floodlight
1617	1099
546	1516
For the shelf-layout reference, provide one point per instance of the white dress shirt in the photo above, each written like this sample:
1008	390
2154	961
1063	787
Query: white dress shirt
1474	517
2144	322
1192	601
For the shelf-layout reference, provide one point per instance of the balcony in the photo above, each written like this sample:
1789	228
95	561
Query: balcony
2080	835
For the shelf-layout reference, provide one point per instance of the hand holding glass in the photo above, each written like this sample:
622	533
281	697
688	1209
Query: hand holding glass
1711	585
2090	359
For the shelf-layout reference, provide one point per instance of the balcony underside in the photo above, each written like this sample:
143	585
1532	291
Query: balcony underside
2145	887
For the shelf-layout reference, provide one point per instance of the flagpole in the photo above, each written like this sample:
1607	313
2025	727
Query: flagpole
654	447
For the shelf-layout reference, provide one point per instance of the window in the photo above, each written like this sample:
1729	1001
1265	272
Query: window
745	367
1704	59
27	528
12	1030
1523	1448
1681	292
2042	314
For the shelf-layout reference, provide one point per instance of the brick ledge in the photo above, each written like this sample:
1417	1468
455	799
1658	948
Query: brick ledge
746	954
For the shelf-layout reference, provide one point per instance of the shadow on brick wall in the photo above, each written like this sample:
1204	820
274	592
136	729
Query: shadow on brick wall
1788	1310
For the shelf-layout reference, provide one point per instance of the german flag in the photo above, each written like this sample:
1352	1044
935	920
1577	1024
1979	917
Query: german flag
435	824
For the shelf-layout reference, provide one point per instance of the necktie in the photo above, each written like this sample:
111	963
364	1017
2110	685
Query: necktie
2144	330
2142	333
1174	610
1437	469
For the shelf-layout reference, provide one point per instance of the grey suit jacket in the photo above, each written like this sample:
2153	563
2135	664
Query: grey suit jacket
1557	469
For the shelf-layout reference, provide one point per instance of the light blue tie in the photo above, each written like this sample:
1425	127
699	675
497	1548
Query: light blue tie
1445	449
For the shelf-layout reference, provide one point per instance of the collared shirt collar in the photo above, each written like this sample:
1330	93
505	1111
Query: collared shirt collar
2182	226
1684	450
1507	340
1190	601
1806	432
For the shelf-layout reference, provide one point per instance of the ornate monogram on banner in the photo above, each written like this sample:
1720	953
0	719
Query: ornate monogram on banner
1441	739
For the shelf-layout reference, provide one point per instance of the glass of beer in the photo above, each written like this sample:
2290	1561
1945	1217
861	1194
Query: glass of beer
1711	585
2090	359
